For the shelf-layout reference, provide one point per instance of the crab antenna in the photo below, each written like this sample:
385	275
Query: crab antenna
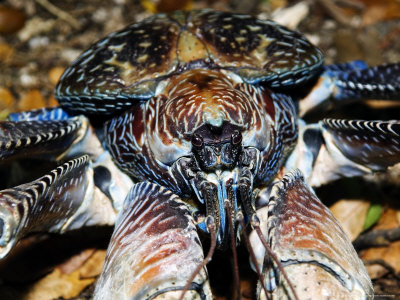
255	222
239	217
228	209
211	228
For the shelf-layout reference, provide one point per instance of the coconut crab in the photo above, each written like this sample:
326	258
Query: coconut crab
201	110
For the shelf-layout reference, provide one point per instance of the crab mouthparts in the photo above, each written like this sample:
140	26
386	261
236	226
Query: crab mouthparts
222	187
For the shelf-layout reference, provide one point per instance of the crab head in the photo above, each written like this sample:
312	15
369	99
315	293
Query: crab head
217	134
206	135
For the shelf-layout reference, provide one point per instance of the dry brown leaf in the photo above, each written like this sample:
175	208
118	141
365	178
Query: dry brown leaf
94	265
155	6
380	104
54	74
389	219
11	19
76	261
376	271
58	284
6	98
391	253
351	214
32	100
52	101
381	10
63	282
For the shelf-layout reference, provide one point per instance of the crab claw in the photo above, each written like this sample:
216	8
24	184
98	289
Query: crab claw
316	254
154	250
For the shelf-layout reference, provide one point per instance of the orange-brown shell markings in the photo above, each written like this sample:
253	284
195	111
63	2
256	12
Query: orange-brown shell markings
309	241
200	97
304	223
154	248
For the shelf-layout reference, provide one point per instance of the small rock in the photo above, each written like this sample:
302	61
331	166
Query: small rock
28	80
291	16
100	16
11	19
39	42
70	54
35	27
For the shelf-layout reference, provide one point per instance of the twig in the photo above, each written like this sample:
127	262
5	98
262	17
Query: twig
377	238
60	13
335	12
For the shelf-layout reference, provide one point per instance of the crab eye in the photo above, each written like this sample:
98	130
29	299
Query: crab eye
197	140
236	138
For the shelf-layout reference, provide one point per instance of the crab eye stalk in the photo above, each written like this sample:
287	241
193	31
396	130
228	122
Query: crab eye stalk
236	138
197	141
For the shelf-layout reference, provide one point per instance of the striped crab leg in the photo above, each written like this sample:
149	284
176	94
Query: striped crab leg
154	249
316	254
28	136
348	82
64	199
84	191
335	148
50	134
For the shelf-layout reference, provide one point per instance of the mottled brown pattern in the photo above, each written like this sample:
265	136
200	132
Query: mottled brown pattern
199	97
129	64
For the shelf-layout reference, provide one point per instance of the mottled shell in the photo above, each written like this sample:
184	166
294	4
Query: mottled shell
130	64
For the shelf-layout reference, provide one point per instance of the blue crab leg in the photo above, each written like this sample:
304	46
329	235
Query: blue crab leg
335	148
154	249
48	133
316	254
39	137
353	81
64	199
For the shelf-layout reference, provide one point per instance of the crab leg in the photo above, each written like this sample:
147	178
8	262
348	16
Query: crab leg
50	134
335	148
316	254
344	83
154	249
64	199
39	137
